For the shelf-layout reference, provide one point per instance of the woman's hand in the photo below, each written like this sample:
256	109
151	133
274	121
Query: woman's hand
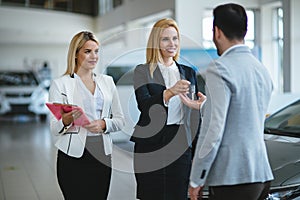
96	126
195	104
69	117
180	87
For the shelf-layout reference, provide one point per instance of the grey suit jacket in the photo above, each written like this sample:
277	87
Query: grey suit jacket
231	148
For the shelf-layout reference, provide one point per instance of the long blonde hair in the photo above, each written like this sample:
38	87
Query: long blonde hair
153	53
75	45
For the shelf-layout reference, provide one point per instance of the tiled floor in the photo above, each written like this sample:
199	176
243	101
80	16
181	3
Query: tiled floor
27	163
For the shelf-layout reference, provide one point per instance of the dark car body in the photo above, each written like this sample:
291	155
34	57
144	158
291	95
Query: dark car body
282	138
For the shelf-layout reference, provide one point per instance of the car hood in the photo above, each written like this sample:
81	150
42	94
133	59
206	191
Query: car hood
284	157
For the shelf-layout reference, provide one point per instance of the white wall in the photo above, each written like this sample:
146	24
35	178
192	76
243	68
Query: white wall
29	56
26	25
132	10
295	48
124	30
28	37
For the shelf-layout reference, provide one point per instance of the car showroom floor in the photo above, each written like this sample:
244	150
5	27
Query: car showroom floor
27	163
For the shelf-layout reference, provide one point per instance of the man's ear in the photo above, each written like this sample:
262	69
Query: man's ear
218	32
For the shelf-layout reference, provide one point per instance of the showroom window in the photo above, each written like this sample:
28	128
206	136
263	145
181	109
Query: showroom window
207	33
278	47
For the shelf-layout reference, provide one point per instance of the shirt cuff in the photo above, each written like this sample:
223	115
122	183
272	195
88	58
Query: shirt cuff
193	185
165	103
201	107
202	104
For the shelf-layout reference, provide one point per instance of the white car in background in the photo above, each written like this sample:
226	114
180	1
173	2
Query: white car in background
4	105
22	93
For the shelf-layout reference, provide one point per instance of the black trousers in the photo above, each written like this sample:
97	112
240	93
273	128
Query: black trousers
162	169
87	177
250	191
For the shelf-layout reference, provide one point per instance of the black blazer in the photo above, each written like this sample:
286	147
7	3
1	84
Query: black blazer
149	97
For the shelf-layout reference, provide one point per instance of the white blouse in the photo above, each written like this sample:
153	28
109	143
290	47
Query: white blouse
98	102
93	105
171	75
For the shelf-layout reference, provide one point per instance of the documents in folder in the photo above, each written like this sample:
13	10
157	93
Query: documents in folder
56	108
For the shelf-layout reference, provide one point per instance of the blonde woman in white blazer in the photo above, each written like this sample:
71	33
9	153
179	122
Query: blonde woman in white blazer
84	152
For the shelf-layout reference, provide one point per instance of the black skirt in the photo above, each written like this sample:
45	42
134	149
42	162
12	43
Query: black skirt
162	169
87	177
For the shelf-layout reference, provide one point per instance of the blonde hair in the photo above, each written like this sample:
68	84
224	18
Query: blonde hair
153	53
75	45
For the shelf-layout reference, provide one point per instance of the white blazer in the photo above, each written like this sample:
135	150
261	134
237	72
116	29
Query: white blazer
74	144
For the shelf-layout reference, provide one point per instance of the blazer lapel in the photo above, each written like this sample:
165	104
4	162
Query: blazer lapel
182	72
157	77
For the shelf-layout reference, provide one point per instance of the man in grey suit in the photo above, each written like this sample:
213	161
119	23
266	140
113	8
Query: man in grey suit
231	157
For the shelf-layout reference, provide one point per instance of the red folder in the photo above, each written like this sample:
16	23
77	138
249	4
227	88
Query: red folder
55	109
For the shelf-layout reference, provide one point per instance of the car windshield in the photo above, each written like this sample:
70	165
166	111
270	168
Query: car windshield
17	79
286	120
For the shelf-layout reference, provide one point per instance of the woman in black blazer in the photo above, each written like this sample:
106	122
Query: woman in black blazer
162	136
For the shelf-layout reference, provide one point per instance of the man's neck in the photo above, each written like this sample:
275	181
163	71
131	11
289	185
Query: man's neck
230	43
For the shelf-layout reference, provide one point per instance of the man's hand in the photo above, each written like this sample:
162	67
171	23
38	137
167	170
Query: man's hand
195	104
195	193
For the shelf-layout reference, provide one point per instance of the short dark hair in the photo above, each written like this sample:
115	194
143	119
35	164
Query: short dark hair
231	19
